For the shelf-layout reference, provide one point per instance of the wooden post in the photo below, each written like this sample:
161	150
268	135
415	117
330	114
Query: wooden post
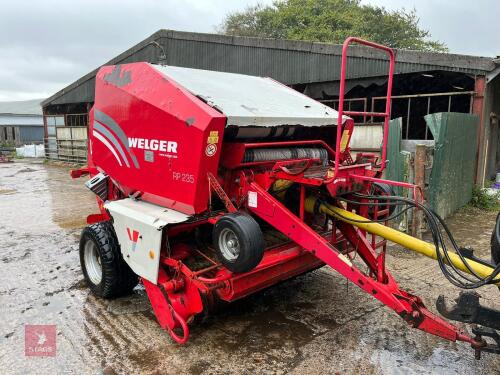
477	109
419	166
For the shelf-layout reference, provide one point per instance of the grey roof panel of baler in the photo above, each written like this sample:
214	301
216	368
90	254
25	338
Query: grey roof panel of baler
249	100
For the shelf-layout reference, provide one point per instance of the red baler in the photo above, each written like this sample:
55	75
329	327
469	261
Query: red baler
212	186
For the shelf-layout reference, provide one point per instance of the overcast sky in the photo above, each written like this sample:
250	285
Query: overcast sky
47	44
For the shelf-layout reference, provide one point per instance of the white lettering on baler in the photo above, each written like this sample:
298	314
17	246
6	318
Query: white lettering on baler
172	147
153	145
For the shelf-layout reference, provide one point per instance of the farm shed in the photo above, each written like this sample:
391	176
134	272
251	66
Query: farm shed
21	122
425	83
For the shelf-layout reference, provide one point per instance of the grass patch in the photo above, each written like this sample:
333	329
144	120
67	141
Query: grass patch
483	199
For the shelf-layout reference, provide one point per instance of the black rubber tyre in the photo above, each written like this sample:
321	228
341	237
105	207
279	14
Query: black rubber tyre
381	189
100	254
495	242
239	242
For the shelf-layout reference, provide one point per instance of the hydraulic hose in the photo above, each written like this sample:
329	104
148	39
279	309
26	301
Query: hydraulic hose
312	204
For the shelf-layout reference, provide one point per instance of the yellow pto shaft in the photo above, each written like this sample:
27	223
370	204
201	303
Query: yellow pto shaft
409	242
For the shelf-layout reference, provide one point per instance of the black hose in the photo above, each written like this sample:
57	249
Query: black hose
393	216
436	225
457	276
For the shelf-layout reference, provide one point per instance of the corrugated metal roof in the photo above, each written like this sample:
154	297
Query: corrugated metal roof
24	107
21	120
290	62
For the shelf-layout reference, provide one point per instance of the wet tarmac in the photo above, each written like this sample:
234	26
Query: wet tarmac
313	324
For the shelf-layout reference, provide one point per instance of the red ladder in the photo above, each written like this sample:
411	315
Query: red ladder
386	115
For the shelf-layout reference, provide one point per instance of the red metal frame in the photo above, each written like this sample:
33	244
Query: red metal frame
382	286
386	115
181	292
418	194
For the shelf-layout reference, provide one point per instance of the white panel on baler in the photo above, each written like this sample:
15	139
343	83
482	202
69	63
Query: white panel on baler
138	226
249	100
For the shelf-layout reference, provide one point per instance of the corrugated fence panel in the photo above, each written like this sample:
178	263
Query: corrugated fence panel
30	134
452	175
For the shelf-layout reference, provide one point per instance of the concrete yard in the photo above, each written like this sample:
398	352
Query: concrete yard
313	324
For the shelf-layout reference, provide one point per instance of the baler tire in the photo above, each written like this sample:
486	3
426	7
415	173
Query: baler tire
381	189
117	279
495	242
249	237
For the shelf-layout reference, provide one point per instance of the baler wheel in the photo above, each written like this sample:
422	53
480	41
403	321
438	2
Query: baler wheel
104	269
495	242
239	242
381	189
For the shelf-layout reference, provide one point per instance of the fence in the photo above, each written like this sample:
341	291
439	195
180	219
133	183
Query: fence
70	145
411	107
449	169
66	137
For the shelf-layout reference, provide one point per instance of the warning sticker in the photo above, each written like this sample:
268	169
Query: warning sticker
252	199
344	140
211	150
213	138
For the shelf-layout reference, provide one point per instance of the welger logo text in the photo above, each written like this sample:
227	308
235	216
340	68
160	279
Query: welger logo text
153	145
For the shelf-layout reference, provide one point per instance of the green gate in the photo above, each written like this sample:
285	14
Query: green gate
452	176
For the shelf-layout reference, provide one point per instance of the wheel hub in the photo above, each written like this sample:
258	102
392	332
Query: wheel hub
229	245
92	262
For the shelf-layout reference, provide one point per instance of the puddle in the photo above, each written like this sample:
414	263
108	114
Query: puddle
312	324
26	170
137	302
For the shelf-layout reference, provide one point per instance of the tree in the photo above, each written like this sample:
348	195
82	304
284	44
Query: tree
331	21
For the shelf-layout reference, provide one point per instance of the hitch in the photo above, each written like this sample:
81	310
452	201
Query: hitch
468	310
481	332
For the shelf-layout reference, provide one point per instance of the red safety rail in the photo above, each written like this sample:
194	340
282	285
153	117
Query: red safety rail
386	115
